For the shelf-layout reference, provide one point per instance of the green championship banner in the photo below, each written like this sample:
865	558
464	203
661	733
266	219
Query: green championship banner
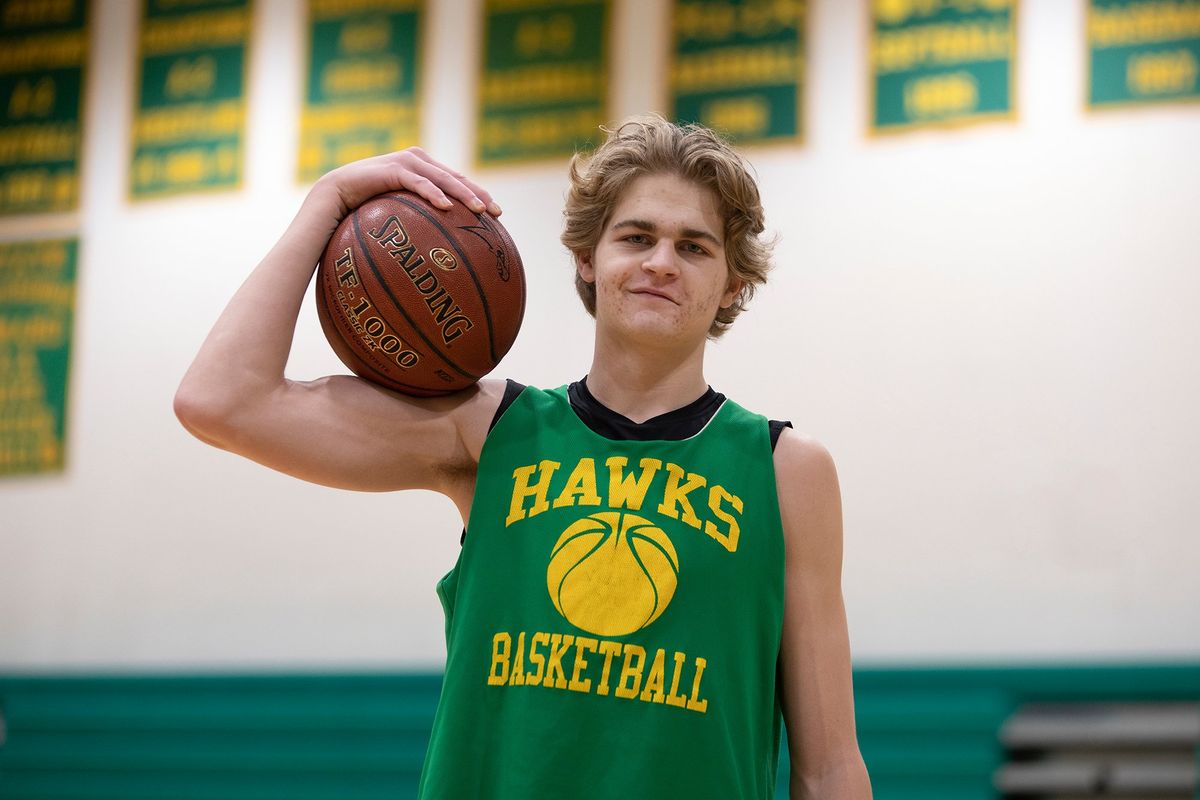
188	122
43	49
543	92
941	62
360	97
738	66
1143	51
37	300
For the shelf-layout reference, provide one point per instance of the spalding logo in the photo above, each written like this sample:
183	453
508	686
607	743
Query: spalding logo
443	258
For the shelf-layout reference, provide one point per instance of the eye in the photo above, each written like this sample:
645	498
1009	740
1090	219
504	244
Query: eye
692	247
637	238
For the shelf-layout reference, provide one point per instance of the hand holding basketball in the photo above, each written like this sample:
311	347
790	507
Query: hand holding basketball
415	292
351	185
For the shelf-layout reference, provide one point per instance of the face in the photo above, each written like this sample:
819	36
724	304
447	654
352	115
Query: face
659	267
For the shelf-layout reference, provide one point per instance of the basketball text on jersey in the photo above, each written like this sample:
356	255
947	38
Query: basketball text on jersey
508	668
611	573
627	491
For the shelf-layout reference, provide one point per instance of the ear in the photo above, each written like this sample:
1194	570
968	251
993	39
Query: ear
583	266
732	290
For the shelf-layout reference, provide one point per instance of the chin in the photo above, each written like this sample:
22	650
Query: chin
655	329
656	325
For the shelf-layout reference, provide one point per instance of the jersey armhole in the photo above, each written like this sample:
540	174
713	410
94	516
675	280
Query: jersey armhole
512	390
777	426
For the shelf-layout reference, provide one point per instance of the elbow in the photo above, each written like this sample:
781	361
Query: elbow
203	415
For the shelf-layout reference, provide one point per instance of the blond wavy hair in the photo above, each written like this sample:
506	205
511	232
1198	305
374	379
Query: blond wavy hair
650	145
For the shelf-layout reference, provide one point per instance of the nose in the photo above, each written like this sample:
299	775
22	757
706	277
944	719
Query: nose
661	259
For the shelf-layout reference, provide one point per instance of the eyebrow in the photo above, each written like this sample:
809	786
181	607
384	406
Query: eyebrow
650	227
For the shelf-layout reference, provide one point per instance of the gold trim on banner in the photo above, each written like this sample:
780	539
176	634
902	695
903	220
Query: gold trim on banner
333	9
40	142
196	31
44	51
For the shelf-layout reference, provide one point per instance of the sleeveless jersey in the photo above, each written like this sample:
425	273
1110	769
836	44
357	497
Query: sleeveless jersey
614	618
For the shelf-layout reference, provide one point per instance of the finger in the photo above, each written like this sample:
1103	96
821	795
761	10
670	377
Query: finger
482	194
426	188
449	184
405	171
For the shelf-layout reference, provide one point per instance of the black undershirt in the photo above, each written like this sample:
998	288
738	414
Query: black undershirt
682	423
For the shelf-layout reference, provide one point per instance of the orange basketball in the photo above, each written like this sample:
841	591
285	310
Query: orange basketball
417	299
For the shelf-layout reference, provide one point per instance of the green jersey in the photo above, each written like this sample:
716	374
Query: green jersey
614	618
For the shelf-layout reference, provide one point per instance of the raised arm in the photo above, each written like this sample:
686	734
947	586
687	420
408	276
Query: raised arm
340	430
818	700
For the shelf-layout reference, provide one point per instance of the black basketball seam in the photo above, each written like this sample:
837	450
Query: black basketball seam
396	303
507	241
321	300
449	237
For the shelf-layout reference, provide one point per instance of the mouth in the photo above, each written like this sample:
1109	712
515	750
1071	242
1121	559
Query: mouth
653	293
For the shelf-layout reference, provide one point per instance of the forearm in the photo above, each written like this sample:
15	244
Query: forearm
245	352
847	780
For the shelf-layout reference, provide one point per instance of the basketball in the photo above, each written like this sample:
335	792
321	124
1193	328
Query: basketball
418	299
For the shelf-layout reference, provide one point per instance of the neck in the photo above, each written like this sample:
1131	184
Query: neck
641	382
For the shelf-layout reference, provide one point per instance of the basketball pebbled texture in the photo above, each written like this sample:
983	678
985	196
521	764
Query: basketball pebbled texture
417	299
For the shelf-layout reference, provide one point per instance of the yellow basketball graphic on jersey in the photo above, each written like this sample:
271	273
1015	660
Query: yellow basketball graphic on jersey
612	573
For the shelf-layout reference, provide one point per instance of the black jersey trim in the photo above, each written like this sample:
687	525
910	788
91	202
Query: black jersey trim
777	426
681	423
511	390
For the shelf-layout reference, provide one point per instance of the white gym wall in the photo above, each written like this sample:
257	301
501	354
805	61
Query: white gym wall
992	329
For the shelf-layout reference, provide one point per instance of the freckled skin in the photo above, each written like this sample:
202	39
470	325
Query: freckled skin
665	236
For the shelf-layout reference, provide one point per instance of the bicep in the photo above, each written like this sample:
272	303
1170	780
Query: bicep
347	433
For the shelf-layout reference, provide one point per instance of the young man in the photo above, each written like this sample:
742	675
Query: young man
650	574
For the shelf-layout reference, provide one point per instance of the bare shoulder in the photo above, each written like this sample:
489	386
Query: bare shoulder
810	502
473	422
476	415
800	457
